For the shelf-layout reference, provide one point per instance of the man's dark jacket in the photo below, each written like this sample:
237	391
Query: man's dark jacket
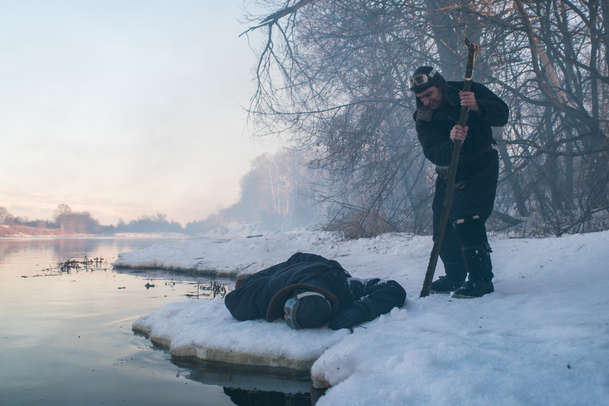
433	128
354	301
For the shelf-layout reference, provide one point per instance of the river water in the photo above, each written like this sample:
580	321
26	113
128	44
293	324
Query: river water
66	338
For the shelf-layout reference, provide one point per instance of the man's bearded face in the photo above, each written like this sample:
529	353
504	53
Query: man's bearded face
431	97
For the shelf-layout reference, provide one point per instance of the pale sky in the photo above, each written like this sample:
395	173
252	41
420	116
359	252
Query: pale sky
124	108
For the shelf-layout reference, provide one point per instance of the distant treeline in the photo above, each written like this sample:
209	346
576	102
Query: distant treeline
148	224
67	221
8	218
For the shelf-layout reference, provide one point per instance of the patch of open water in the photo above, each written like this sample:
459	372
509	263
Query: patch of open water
66	339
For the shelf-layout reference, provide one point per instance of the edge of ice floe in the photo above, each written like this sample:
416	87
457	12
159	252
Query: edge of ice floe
270	363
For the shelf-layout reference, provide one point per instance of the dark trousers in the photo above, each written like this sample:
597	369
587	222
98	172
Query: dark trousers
472	205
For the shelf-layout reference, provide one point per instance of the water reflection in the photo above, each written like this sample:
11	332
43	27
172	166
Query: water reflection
85	264
201	286
209	290
60	249
243	397
253	386
67	339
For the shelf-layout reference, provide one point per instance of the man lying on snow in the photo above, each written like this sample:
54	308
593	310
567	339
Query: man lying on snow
308	291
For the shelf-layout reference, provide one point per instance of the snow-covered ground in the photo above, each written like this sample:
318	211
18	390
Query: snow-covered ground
542	338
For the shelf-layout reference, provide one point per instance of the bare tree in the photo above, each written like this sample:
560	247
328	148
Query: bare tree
334	73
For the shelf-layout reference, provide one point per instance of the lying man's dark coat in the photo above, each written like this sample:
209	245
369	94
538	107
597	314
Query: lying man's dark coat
354	301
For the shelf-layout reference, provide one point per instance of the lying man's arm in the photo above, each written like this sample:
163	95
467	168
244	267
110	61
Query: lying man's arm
372	298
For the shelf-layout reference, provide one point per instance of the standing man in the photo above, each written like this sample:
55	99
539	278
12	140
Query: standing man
465	249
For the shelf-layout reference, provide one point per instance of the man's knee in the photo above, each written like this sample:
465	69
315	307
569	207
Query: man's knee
471	231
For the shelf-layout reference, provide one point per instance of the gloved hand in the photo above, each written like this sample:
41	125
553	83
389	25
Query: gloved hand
348	318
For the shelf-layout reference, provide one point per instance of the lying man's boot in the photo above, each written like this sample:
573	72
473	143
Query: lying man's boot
445	284
474	288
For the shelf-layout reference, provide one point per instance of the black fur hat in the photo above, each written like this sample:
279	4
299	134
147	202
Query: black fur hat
425	77
307	310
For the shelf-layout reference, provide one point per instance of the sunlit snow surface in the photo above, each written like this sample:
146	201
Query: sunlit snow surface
541	338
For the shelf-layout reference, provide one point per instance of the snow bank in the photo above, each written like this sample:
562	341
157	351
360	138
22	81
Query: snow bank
384	256
206	330
541	338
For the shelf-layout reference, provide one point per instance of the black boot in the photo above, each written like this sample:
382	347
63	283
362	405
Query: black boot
479	283
455	275
444	284
472	288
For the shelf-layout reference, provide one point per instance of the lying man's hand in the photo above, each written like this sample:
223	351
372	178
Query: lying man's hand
348	318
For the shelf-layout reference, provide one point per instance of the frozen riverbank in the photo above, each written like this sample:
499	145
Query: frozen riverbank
541	338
